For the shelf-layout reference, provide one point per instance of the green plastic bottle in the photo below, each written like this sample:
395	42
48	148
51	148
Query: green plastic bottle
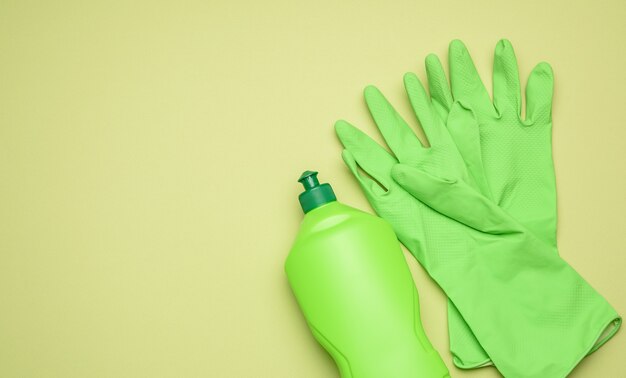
352	282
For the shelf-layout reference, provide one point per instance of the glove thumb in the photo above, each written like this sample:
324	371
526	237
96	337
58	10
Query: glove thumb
455	199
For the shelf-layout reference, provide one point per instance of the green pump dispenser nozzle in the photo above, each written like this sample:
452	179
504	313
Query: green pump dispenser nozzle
314	195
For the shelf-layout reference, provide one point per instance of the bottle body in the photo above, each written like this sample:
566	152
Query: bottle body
351	280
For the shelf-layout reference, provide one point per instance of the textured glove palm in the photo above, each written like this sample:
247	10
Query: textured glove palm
515	152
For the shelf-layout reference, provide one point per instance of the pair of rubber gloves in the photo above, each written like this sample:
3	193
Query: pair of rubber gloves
477	208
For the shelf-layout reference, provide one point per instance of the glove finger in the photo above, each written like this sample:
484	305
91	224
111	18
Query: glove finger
539	91
463	127
369	155
454	199
423	109
438	86
465	82
397	133
506	86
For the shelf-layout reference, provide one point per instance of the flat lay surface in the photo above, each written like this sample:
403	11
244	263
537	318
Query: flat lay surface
149	153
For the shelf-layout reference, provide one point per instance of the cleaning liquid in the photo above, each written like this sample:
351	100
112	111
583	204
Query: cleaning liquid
352	282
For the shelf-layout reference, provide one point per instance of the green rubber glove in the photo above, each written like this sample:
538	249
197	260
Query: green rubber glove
532	313
516	152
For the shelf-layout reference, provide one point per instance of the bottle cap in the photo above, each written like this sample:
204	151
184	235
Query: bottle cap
314	195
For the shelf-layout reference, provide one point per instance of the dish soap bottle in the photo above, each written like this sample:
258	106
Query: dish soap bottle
352	282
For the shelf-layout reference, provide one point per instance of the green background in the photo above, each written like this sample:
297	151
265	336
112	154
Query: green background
149	153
